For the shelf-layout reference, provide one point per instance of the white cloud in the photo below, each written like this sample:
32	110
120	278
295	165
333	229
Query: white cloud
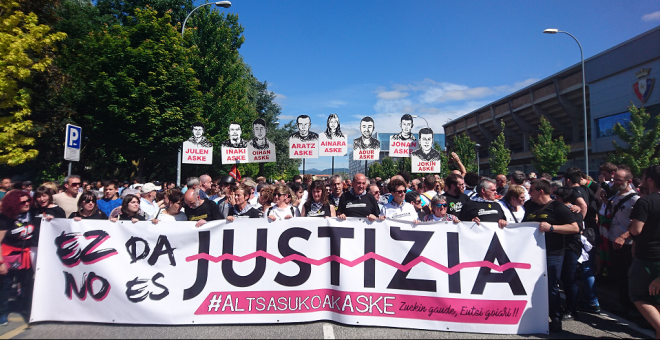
280	99
392	95
286	117
655	16
335	103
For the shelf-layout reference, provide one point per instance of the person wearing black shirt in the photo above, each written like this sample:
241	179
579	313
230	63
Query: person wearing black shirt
356	202
130	208
585	199
455	184
16	232
43	208
317	204
572	251
199	210
556	220
483	207
644	274
87	208
242	209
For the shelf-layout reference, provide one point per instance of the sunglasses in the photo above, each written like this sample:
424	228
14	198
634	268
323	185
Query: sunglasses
76	184
441	205
400	192
278	195
87	201
25	202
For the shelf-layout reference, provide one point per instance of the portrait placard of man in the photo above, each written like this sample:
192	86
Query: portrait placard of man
426	152
198	139
366	141
259	141
260	149
235	140
406	129
304	123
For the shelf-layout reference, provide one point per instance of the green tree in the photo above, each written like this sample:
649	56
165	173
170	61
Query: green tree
500	155
404	164
549	154
376	170
642	138
24	51
389	169
134	92
465	148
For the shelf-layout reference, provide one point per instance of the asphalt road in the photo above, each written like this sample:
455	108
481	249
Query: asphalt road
591	326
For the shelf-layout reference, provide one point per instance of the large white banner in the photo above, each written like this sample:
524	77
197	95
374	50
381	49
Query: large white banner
441	276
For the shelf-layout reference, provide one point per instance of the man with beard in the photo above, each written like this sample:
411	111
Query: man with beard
406	129
198	137
259	142
304	123
624	200
454	185
366	142
426	152
235	140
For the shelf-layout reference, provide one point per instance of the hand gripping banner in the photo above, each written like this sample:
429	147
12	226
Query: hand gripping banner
438	276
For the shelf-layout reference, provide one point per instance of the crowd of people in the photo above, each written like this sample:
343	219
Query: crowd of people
590	225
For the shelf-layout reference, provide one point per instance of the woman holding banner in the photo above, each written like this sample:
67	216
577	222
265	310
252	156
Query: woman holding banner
439	207
318	205
16	232
398	208
87	208
130	210
282	210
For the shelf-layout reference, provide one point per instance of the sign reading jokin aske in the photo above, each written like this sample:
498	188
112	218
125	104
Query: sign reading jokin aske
404	143
304	143
425	159
366	147
260	149
333	141
235	149
197	149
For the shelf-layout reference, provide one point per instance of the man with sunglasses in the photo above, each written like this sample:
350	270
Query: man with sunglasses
454	186
484	207
68	200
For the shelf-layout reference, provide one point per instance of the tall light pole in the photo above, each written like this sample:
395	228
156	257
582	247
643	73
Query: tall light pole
478	146
223	4
584	95
427	123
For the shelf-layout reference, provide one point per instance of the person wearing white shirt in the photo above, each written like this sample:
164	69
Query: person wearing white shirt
282	210
513	202
398	209
147	202
173	212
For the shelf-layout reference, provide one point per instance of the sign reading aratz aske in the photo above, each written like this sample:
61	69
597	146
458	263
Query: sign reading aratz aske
425	159
439	276
333	141
260	149
304	143
235	149
404	142
197	149
366	147
73	142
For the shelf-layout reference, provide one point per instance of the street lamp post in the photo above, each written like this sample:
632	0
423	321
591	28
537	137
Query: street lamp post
584	94
427	123
478	146
223	4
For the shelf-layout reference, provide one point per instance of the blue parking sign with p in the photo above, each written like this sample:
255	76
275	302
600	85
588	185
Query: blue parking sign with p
73	134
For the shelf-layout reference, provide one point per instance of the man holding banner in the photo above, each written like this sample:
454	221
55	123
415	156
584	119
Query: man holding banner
356	202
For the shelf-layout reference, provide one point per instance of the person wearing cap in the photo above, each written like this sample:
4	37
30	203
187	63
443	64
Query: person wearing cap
223	200
253	200
124	186
147	202
27	186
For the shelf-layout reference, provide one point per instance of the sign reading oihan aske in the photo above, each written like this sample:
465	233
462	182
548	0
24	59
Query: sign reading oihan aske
426	158
304	143
333	141
197	149
366	147
260	148
439	276
404	142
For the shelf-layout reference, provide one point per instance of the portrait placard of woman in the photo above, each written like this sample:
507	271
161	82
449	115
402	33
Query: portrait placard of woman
333	141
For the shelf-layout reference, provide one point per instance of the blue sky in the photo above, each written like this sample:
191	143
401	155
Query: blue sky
437	59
